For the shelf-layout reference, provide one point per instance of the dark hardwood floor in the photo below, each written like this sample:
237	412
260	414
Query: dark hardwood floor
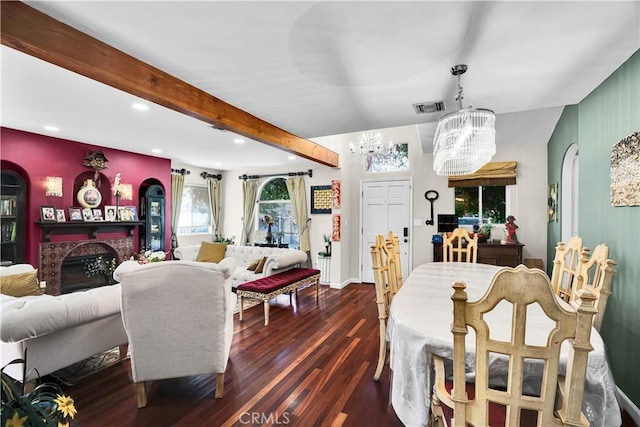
312	366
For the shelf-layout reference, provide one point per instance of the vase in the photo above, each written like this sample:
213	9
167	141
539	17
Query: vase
269	236
89	196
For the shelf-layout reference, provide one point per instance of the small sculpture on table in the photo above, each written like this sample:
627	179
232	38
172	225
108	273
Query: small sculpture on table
511	227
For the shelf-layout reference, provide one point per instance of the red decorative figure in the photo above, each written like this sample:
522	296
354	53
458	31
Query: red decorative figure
511	229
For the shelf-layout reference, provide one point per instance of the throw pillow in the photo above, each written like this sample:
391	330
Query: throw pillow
260	265
211	252
21	284
254	264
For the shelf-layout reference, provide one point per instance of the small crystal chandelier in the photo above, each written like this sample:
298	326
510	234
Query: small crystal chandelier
465	140
371	145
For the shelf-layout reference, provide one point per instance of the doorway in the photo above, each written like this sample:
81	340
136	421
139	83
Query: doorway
385	206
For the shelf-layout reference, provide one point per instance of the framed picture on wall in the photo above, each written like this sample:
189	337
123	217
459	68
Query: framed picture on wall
552	202
87	214
60	215
47	214
75	214
97	214
321	199
110	213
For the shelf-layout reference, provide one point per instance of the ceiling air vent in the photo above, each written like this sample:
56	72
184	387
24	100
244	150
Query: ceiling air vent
428	107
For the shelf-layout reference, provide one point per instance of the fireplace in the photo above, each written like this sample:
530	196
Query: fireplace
79	273
64	265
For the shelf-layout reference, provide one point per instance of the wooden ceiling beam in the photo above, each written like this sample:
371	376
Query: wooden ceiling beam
32	32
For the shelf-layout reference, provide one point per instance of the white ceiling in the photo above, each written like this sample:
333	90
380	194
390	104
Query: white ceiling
323	68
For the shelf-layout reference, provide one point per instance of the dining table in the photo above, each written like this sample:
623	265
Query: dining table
419	325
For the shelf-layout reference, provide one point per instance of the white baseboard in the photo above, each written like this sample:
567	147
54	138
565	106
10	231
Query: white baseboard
628	406
343	284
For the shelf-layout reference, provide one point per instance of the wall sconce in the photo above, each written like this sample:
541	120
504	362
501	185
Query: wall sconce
126	191
53	186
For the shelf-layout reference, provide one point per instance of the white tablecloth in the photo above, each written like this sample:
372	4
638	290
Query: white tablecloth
420	324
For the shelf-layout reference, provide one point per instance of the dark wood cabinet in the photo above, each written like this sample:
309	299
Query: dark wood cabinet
152	214
12	215
507	255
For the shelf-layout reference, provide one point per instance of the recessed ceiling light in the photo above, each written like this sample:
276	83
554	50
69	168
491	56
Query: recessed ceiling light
51	128
239	141
291	157
140	107
156	151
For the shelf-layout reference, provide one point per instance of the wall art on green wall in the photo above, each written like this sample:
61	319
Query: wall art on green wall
552	202
625	171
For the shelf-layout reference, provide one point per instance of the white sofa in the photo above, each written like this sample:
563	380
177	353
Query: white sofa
58	331
278	260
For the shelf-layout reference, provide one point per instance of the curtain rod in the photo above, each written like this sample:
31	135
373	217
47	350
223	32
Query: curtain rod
182	171
246	177
206	175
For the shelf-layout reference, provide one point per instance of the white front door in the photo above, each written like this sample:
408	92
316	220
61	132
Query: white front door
384	206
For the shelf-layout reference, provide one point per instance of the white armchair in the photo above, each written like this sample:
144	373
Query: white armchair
178	316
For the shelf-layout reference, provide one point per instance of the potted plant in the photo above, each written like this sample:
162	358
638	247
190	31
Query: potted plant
484	233
279	236
44	406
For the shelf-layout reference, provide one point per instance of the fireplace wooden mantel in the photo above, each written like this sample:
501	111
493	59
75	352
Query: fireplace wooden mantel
89	228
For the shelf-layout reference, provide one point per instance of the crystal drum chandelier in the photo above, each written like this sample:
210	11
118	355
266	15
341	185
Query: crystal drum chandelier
465	140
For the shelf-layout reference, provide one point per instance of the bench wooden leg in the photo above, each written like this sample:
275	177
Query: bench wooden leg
266	312
141	394
241	307
219	385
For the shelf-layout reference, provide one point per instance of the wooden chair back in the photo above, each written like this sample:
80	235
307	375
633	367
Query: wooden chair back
565	267
384	294
595	273
395	264
521	287
460	246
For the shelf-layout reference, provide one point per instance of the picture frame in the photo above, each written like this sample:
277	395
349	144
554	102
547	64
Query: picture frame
124	213
110	213
552	203
133	212
87	214
321	199
61	215
75	214
47	214
97	214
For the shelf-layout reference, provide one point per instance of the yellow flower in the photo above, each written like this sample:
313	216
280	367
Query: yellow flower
15	421
65	405
63	424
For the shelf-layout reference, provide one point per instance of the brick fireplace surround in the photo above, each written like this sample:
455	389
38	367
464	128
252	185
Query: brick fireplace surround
52	254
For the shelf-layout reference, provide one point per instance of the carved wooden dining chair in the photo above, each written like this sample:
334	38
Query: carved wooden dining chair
482	403
565	267
460	246
395	264
381	275
595	273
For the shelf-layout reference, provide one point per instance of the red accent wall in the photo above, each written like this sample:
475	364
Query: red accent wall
37	156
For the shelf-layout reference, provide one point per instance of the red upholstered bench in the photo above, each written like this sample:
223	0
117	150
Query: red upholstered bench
269	287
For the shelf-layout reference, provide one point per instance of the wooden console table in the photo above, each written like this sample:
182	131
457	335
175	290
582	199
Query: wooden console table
507	255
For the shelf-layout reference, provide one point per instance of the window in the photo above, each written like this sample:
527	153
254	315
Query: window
397	160
274	202
195	210
480	205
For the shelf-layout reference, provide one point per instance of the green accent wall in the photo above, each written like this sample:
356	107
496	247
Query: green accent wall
610	113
